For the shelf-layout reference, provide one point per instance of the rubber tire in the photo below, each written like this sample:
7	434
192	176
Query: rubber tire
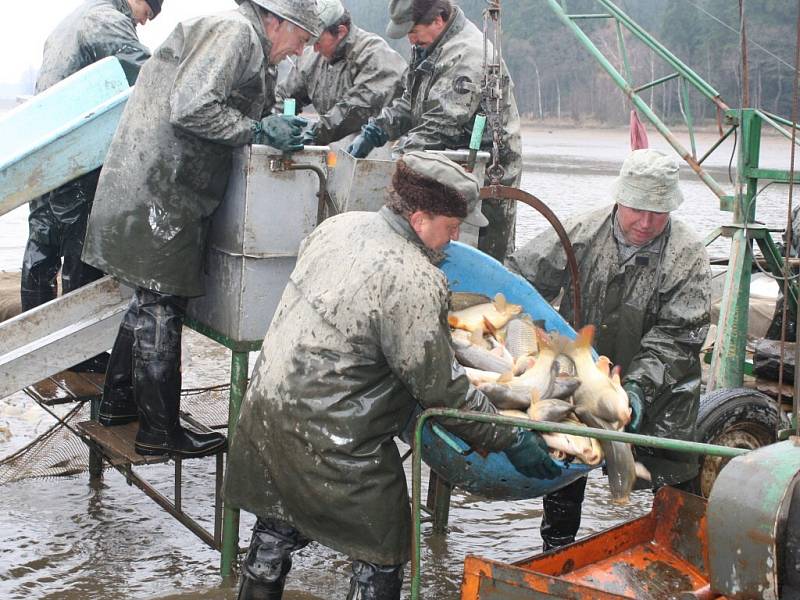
736	417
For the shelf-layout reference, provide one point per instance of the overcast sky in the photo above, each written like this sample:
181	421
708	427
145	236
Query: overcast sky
26	24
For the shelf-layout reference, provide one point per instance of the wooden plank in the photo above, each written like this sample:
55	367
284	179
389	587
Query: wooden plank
118	443
67	386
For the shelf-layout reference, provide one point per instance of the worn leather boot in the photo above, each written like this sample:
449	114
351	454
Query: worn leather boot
375	582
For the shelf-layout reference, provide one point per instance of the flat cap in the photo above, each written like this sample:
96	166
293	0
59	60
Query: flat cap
440	168
648	180
401	18
330	11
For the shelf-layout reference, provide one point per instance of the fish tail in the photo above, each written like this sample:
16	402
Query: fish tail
500	302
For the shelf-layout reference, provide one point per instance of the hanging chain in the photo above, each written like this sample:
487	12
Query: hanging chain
494	86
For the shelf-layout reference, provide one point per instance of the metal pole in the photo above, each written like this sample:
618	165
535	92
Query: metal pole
230	524
95	458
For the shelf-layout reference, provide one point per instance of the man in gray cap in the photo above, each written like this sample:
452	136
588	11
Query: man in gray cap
440	100
314	455
348	76
645	285
202	93
95	30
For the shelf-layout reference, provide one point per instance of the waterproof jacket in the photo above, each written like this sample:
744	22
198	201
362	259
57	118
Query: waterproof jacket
436	111
95	30
651	315
169	162
359	338
362	77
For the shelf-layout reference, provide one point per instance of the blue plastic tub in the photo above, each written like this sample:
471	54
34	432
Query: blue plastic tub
469	270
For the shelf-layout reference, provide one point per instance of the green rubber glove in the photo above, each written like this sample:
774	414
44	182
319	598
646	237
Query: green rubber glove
371	137
283	132
529	455
636	400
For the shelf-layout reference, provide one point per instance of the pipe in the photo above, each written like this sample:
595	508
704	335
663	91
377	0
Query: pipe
323	188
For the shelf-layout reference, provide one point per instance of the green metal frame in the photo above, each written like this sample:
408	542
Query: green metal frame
541	426
239	367
729	350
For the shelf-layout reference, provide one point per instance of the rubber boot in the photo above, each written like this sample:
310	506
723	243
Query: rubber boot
117	406
258	589
156	390
375	582
562	515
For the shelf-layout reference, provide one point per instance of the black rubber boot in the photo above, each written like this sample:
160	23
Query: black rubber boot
157	380
375	582
117	406
269	559
562	515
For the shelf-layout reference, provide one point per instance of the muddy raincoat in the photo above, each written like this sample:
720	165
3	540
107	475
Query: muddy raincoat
95	30
437	112
169	162
360	336
651	315
363	76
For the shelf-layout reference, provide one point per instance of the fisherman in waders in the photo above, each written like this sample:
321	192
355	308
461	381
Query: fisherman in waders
359	340
440	100
202	93
95	30
645	285
348	76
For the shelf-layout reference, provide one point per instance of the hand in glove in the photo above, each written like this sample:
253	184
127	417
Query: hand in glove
310	134
636	401
529	455
371	137
280	131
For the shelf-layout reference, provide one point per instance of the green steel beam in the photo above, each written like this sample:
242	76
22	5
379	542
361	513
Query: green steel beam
656	82
777	175
686	110
541	426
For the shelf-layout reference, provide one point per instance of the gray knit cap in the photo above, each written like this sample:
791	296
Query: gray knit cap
648	180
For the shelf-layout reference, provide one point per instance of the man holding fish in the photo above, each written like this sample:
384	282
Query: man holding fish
645	287
359	340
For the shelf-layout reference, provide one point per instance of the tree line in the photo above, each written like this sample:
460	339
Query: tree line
556	78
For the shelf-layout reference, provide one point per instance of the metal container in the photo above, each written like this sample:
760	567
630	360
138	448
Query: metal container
360	183
254	239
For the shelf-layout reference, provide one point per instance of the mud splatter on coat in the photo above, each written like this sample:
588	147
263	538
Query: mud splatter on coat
363	76
651	314
434	114
168	165
359	337
95	30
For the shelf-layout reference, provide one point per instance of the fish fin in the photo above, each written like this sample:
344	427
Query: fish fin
500	302
454	321
476	337
604	364
520	366
490	328
506	377
585	337
615	377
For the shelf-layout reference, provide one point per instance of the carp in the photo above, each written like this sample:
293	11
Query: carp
504	398
583	448
522	338
600	394
492	315
550	409
464	300
471	355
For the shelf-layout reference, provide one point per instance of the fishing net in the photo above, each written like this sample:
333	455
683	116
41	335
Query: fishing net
59	451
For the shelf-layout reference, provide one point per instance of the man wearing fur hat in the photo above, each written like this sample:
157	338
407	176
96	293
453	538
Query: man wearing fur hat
348	76
645	285
202	94
95	30
365	309
440	100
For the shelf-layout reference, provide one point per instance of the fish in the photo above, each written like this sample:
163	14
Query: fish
512	413
492	314
471	355
578	446
504	398
602	395
477	377
521	338
464	300
548	384
620	465
550	409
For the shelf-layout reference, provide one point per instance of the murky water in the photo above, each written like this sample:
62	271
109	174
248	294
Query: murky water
68	540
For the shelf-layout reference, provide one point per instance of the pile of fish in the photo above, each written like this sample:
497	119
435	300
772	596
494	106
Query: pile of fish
526	372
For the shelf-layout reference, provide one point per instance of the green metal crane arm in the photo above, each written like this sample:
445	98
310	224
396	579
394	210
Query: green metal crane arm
629	91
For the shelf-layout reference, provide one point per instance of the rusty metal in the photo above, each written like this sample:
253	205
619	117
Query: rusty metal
746	517
322	194
509	193
659	555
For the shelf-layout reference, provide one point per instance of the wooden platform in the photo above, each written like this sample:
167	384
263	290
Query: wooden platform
67	386
118	443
